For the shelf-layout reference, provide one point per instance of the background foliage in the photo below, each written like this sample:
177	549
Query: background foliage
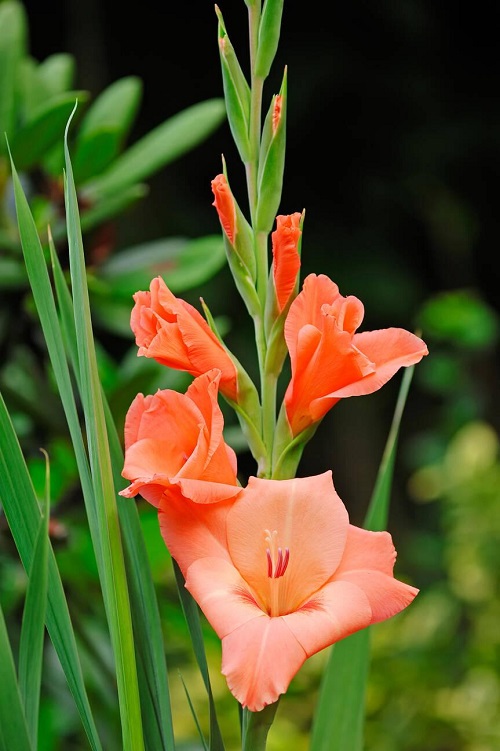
394	152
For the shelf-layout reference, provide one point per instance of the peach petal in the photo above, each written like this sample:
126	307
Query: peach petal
194	530
367	550
259	659
387	596
203	491
222	594
339	609
310	520
148	457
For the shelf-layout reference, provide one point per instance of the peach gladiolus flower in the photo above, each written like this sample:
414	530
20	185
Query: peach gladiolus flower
174	446
224	203
172	332
286	259
329	361
281	574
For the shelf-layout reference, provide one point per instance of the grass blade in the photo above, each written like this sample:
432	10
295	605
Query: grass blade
13	728
153	680
33	623
192	616
114	580
339	719
22	511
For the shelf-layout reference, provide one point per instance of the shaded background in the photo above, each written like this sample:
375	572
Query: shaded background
393	149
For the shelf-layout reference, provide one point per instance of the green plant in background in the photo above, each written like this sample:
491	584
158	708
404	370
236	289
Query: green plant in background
36	98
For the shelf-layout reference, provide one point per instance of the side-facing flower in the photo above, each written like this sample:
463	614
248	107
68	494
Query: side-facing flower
174	333
281	574
329	360
286	259
174	447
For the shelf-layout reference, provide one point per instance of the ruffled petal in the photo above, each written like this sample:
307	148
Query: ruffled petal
259	660
387	596
367	550
389	350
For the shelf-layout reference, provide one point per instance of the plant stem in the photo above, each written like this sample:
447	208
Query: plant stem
256	726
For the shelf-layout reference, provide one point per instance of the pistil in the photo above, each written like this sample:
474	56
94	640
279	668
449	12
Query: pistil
277	563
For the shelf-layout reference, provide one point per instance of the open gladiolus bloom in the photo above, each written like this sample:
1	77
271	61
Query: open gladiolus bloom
281	574
172	332
329	360
174	446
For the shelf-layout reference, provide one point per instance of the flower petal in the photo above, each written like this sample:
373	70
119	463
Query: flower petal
367	550
194	530
310	520
336	611
389	350
387	596
259	660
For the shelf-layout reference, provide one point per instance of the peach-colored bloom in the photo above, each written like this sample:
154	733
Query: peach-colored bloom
172	332
286	259
174	446
224	203
281	574
329	361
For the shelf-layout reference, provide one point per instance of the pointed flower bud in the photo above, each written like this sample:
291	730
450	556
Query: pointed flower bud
269	34
272	161
286	257
236	91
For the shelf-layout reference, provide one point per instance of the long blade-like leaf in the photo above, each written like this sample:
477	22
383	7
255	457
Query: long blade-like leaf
192	615
13	728
114	580
24	518
339	719
153	681
33	624
22	511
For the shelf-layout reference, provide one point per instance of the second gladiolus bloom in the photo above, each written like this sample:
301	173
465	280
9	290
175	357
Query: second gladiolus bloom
329	360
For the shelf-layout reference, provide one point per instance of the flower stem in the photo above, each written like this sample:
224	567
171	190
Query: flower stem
256	726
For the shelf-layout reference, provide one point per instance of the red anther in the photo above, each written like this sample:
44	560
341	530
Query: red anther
269	563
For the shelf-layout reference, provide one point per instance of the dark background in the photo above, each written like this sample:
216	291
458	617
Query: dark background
393	149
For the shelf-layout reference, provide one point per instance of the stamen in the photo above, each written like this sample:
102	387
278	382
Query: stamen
277	560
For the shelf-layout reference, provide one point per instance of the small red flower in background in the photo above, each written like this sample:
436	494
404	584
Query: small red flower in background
329	361
171	331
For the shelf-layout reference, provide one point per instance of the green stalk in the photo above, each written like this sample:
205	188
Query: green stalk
256	726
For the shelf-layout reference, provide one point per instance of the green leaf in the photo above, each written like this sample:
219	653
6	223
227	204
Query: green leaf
12	274
19	501
33	625
31	142
13	41
57	72
114	580
165	143
22	512
13	728
183	264
236	92
272	164
153	684
339	719
105	126
192	616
